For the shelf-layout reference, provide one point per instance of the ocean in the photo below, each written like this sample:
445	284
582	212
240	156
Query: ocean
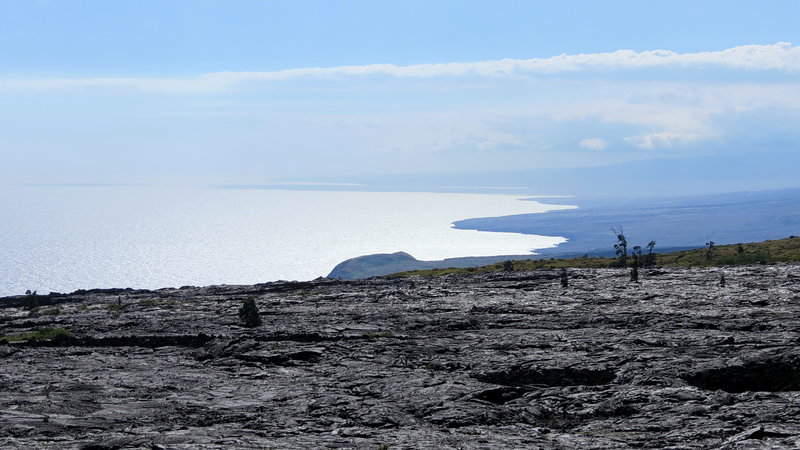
64	238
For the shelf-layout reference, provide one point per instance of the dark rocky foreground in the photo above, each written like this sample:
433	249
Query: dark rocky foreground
502	360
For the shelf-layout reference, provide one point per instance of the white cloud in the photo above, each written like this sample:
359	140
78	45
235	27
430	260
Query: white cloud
490	140
662	139
594	143
780	56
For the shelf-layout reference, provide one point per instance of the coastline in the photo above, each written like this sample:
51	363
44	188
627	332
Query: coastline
65	238
674	223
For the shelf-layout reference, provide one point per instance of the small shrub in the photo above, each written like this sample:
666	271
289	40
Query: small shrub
508	266
49	334
51	311
248	314
743	258
43	334
30	302
372	335
711	250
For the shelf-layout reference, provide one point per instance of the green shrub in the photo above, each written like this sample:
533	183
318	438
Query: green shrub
50	334
43	334
30	302
373	335
742	258
248	314
51	311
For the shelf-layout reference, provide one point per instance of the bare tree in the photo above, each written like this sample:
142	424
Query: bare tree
637	256
650	259
621	247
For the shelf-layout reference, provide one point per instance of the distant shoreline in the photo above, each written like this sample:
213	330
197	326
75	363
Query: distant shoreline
674	223
63	238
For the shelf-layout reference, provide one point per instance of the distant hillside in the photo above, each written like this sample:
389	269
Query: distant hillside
385	263
372	265
675	224
781	250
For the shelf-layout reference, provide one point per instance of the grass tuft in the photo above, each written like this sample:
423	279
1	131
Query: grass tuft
43	334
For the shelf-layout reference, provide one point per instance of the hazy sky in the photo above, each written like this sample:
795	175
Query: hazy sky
249	91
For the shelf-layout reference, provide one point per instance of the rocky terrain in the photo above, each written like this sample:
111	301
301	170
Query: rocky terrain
493	360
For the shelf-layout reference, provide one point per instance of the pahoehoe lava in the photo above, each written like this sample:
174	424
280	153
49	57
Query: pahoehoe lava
481	360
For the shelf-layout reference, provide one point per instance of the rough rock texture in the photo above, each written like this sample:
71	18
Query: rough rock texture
501	360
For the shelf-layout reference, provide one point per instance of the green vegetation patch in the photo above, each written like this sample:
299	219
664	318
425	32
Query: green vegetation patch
518	265
51	311
781	250
30	302
373	335
43	334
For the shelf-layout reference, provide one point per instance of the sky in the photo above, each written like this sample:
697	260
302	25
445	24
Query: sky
243	91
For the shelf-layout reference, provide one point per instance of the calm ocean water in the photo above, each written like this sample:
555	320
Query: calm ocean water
63	238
